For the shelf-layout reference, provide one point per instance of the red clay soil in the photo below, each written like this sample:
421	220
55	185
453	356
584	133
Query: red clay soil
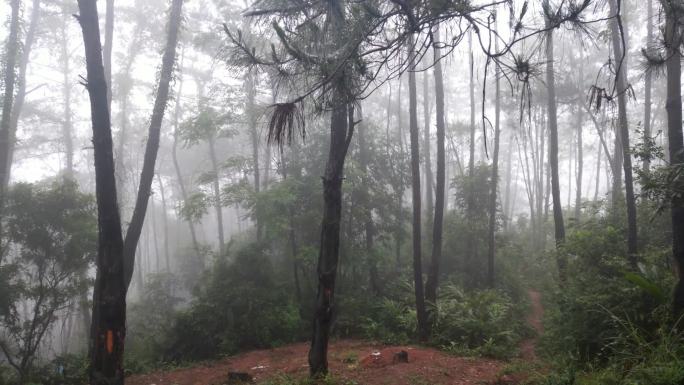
534	319
360	361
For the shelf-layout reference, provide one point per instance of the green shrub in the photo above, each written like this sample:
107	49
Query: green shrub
483	322
241	306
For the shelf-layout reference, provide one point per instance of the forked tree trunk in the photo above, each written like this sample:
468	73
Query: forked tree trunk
341	129
676	150
152	146
416	196
559	226
433	273
622	89
109	299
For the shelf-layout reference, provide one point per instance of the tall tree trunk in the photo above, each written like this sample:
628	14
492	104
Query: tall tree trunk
217	194
470	203
176	165
579	166
165	221
152	146
617	31
648	82
507	196
254	135
109	299
433	273
67	125
416	196
21	83
494	181
107	49
559	226
341	130
598	174
429	192
676	148
7	102
364	157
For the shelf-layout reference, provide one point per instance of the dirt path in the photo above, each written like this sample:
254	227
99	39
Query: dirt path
360	361
534	319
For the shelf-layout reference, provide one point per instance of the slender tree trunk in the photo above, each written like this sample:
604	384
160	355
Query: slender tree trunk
152	147
67	125
579	166
109	299
507	196
470	204
617	31
494	181
676	148
415	183
429	192
217	194
21	84
7	102
559	226
341	130
254	135
598	174
433	273
648	82
165	221
176	165
364	157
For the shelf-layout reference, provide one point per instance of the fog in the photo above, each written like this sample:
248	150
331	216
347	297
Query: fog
344	179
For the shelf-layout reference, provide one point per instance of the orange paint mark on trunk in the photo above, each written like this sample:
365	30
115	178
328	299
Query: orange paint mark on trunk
110	341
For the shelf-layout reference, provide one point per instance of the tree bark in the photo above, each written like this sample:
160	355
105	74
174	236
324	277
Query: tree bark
559	226
107	49
165	221
617	31
579	166
494	181
176	165
21	84
109	299
676	149
254	135
8	101
152	146
217	194
433	273
341	130
648	82
429	192
416	196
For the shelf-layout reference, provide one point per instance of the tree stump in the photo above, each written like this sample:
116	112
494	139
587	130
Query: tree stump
400	357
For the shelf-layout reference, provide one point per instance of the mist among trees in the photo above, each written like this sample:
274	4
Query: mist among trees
341	192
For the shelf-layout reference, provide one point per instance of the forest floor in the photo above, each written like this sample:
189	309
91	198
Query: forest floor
359	362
